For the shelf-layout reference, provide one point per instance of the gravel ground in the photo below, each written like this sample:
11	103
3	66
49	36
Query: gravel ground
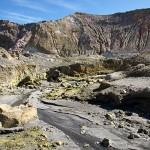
67	117
140	82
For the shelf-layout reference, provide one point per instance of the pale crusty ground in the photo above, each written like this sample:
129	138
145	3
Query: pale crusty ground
139	82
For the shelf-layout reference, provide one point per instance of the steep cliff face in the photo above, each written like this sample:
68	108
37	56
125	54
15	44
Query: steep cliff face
14	36
8	34
81	33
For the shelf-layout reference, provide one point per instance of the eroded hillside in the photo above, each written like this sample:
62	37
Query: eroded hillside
80	33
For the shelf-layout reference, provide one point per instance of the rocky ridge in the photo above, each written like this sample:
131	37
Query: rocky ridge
80	33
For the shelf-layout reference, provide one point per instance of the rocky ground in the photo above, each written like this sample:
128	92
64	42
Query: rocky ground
82	102
107	109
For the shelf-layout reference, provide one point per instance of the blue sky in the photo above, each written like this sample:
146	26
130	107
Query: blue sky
27	11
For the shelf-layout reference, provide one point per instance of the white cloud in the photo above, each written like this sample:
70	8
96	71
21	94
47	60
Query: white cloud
90	2
75	5
66	4
31	5
19	17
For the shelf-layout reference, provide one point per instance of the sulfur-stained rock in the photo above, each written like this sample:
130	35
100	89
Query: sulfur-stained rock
133	136
57	143
1	125
29	112
119	114
110	116
4	107
65	84
26	81
121	125
142	130
5	54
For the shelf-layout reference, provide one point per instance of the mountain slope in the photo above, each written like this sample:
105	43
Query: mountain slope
81	33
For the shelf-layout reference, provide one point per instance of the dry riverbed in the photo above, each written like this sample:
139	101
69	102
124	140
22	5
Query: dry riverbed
69	119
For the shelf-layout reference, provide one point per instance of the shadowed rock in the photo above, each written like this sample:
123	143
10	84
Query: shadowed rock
11	130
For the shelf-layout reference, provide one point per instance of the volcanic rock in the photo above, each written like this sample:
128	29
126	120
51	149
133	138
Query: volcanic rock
80	33
106	142
12	116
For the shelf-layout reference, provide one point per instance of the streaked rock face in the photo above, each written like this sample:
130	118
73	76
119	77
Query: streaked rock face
81	33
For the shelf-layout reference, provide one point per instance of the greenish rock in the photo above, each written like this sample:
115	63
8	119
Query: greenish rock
142	130
133	136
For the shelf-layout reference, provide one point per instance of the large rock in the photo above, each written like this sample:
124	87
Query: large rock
127	91
13	116
115	76
8	122
106	142
12	74
140	71
5	54
4	107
